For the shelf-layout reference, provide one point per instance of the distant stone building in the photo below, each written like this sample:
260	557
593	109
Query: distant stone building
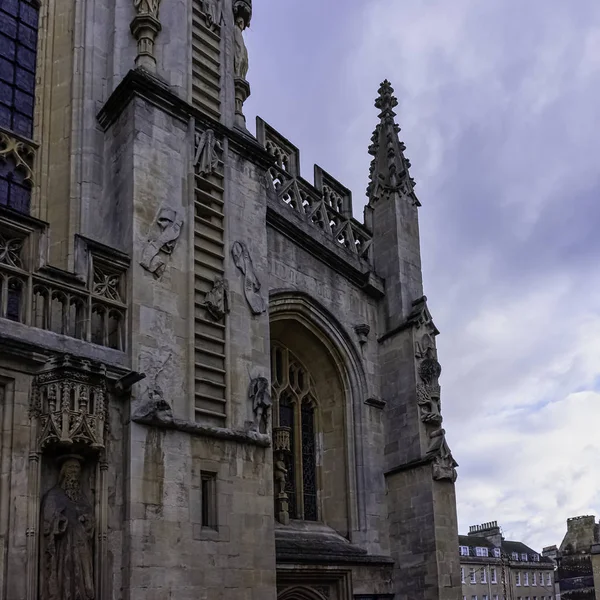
215	382
578	561
493	568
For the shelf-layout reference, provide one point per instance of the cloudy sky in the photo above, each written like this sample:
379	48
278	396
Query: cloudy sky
499	104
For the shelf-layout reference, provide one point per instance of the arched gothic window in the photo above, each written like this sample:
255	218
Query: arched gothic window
18	45
295	406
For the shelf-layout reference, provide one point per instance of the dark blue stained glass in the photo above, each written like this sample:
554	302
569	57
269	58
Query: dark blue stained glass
22	125
4	114
10	6
20	198
29	15
6	70
28	37
26	58
3	191
9	26
6	93
7	45
13	302
25	80
286	419
23	102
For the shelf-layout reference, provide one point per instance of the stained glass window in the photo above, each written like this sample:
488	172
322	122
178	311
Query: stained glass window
18	42
294	398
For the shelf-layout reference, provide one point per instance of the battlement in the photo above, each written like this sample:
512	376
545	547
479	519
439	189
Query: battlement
325	205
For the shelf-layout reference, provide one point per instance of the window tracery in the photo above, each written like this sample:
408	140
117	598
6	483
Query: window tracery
295	407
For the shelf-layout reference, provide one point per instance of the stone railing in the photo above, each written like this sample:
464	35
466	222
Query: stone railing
90	308
326	205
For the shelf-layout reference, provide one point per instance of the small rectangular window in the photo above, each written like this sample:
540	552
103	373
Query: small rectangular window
548	579
464	550
209	499
481	551
483	576
515	556
518	578
472	577
496	552
462	574
493	575
484	597
524	556
534	579
526	582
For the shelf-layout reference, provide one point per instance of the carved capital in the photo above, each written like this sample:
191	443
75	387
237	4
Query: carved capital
68	400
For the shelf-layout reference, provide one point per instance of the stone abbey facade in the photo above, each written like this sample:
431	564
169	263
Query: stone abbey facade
215	382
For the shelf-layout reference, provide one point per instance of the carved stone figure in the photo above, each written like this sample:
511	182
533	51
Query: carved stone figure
213	11
240	52
67	543
243	261
147	7
443	464
206	158
167	230
154	406
428	391
261	403
216	302
280	474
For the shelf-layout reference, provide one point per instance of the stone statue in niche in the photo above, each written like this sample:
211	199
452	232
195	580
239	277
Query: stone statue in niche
206	158
243	261
161	242
443	464
260	397
428	391
66	569
242	12
213	12
216	302
154	407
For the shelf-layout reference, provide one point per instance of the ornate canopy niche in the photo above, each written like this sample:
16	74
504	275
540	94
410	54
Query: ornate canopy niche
68	475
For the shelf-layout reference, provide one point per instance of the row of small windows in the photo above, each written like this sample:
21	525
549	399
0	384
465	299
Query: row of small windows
495	552
524	577
482	575
496	597
519	576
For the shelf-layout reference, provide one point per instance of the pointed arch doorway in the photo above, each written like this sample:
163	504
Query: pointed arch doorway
300	593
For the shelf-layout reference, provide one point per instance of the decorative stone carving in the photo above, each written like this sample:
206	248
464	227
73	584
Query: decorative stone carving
260	396
154	406
362	331
243	261
206	157
242	14
69	402
107	284
145	27
67	567
428	390
281	448
213	12
161	242
443	464
216	302
21	153
10	251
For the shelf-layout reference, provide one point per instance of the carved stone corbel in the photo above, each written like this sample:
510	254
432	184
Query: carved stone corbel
145	26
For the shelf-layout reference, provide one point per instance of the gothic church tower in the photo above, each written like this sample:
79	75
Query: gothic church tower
215	382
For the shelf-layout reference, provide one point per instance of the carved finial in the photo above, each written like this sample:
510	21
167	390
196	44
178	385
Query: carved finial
388	172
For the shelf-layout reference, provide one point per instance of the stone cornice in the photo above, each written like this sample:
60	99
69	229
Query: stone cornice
141	84
193	428
281	218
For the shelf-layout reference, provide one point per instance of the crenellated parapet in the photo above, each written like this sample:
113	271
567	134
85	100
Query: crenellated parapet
325	205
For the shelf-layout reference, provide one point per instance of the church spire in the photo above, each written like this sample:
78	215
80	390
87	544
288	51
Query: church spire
389	171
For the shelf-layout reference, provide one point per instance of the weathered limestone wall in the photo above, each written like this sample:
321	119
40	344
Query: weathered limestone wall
170	552
294	270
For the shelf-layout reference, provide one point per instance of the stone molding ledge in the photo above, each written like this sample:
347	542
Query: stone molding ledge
244	437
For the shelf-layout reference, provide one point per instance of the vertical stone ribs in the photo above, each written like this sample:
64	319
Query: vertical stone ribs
210	289
206	58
